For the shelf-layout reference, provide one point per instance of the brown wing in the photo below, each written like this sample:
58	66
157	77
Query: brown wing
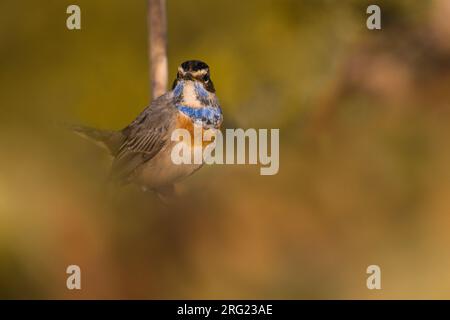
145	137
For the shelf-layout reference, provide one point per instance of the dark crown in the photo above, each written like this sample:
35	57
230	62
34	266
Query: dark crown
193	65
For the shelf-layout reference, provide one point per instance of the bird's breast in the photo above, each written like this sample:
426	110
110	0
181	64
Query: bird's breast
194	127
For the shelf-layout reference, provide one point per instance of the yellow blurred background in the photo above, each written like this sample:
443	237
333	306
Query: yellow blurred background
364	168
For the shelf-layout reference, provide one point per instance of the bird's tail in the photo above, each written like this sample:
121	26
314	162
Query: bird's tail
108	139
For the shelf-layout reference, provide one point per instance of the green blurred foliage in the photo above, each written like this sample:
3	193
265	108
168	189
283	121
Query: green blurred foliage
364	177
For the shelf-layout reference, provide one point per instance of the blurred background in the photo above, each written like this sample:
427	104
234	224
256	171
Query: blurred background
364	168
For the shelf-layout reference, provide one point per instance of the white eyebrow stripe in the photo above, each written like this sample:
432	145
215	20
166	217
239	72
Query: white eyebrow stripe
194	73
199	72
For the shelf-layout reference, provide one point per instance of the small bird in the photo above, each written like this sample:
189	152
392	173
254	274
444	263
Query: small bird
142	150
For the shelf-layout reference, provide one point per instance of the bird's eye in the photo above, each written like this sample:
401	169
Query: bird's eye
206	78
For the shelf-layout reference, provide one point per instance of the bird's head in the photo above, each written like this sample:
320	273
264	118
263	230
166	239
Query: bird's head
196	71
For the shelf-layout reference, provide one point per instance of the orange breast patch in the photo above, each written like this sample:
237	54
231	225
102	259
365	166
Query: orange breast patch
184	122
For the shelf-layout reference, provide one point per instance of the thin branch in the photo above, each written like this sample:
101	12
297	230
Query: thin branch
157	25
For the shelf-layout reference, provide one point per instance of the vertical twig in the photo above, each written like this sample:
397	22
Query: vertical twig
157	25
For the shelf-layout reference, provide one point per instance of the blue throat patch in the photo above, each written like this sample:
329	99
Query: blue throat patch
178	90
208	116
